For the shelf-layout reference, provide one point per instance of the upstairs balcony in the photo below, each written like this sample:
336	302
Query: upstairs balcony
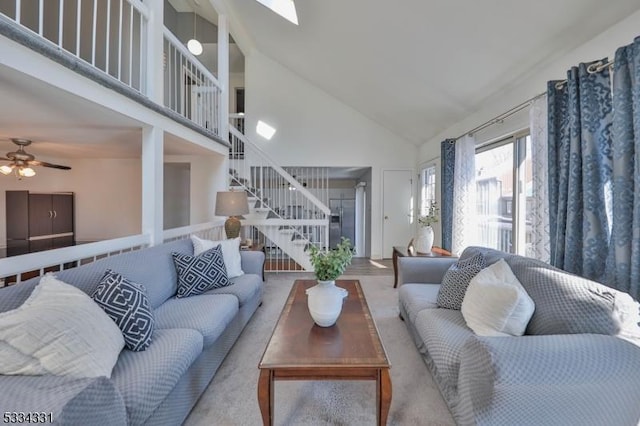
125	45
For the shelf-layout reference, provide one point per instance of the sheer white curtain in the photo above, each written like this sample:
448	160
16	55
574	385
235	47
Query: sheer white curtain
540	245
464	195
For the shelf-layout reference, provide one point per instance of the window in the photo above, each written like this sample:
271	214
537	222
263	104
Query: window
427	188
503	193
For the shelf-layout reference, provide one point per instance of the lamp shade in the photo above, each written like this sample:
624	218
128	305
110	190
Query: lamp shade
231	203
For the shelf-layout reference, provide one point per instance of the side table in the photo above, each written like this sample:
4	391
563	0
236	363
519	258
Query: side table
399	251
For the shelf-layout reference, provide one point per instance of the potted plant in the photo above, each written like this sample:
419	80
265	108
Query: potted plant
325	299
424	242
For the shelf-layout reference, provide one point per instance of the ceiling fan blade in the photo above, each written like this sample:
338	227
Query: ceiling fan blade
53	166
5	159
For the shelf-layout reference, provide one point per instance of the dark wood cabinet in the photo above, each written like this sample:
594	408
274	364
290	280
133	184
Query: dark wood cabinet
37	222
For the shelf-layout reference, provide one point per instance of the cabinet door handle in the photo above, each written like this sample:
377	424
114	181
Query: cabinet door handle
55	214
50	214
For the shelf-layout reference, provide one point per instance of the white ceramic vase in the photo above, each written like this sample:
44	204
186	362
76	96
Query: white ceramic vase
325	302
424	242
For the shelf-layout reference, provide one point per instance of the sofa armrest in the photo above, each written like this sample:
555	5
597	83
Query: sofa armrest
66	400
551	379
252	262
427	270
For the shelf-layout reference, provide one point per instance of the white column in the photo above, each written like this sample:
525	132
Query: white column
154	67
223	74
152	183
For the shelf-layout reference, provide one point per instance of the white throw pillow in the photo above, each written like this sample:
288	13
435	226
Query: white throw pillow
58	331
496	304
230	253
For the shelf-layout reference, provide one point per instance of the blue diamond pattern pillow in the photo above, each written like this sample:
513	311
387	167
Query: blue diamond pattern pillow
198	274
127	304
456	280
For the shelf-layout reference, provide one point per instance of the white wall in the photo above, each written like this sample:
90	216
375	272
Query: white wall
208	176
107	195
600	46
316	129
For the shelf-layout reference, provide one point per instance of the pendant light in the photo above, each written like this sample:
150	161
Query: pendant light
194	45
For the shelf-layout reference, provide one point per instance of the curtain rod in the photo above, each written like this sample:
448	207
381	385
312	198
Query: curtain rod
502	116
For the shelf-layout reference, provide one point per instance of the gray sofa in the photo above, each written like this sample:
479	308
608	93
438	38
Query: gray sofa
158	386
541	378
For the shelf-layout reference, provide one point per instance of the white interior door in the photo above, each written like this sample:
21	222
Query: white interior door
397	209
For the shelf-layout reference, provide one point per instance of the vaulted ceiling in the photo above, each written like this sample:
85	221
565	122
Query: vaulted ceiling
420	66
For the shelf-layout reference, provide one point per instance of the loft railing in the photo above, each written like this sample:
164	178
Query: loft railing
16	269
108	34
191	89
112	36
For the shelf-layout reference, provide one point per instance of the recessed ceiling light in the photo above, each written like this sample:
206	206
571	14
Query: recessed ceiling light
284	8
264	130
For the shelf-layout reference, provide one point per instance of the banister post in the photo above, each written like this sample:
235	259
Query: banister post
153	68
223	75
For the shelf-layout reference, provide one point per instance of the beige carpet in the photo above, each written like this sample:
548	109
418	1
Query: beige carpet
231	398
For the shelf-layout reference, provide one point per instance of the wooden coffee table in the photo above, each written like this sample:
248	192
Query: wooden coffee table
349	350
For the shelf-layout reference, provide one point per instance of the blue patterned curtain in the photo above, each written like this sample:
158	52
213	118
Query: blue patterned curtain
447	158
580	119
624	254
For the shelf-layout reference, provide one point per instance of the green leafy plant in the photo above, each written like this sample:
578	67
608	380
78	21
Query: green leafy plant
431	217
330	264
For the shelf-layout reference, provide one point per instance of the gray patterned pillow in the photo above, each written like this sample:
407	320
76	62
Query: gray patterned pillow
126	302
569	304
456	280
198	274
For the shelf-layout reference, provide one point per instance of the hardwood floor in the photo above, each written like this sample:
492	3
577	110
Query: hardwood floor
366	266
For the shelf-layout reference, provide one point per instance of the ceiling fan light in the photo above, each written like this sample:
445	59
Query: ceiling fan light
26	172
5	170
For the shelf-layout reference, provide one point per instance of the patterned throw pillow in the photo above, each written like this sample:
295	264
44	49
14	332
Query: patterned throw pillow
126	303
197	274
457	279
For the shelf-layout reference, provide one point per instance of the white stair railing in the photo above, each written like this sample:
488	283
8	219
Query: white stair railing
288	212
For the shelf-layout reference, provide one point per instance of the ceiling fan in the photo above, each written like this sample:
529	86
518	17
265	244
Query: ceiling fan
21	161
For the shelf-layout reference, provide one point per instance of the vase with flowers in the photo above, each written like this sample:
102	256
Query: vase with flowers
325	299
424	241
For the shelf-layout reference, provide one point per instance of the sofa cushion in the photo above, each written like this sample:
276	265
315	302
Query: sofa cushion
230	252
197	274
151	267
444	333
126	303
145	378
208	314
496	304
456	279
86	401
244	287
60	331
568	304
416	297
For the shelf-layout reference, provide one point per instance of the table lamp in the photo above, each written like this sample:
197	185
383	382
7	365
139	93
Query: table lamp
232	204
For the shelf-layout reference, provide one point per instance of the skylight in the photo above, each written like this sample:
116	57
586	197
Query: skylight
284	8
265	130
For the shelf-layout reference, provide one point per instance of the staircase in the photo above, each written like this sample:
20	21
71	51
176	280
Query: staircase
286	211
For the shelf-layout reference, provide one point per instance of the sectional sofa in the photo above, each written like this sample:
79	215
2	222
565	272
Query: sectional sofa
578	362
157	386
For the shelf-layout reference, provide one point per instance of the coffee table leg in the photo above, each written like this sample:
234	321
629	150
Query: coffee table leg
265	396
384	395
